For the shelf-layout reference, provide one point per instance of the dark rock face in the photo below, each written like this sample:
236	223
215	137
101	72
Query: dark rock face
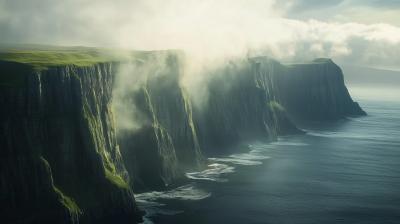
149	152
241	108
65	160
165	140
172	107
58	142
312	91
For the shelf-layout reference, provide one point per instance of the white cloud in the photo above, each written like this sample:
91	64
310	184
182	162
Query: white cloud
318	48
207	30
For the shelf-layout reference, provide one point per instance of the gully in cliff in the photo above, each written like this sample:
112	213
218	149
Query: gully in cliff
82	134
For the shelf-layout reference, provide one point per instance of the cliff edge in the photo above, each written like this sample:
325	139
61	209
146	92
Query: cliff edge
79	129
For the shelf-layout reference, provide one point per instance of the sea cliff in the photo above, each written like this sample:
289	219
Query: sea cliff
60	162
76	137
312	91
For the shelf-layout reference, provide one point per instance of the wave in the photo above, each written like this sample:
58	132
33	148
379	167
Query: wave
237	161
146	201
212	174
329	134
247	159
290	143
186	192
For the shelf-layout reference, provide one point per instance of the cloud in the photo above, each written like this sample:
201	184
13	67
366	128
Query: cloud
298	6
208	31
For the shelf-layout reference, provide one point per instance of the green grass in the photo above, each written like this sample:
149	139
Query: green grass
44	60
18	60
111	54
68	202
318	61
117	180
15	65
276	105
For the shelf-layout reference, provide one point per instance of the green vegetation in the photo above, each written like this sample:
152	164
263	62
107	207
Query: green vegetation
117	180
109	54
19	60
16	64
109	167
68	202
318	61
44	60
276	105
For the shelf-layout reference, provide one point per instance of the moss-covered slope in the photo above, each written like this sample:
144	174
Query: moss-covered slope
148	152
63	121
63	159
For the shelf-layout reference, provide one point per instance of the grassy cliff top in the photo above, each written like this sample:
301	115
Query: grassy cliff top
318	61
19	60
44	60
15	65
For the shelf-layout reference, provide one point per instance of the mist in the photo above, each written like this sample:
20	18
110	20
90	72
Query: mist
207	31
210	33
155	74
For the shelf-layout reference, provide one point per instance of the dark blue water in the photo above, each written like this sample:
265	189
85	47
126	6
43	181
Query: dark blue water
342	172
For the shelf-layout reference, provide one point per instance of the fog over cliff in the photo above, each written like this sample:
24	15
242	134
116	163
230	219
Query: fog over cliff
208	30
79	139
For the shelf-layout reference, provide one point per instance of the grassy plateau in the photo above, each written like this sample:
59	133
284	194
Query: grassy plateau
19	60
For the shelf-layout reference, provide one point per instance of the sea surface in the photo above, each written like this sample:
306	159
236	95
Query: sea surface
341	172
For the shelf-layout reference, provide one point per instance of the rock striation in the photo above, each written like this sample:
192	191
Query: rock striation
311	91
242	108
75	141
58	144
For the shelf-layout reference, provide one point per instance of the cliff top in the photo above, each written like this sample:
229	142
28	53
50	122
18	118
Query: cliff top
18	60
15	65
318	61
44	60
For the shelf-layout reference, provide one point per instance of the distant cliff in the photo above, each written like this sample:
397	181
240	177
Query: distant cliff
311	91
77	136
241	108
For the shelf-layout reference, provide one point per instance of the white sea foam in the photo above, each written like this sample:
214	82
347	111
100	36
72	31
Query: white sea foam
253	155
329	134
187	192
146	201
212	174
263	147
248	159
289	143
237	161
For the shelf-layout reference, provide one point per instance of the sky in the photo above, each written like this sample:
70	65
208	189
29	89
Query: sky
357	32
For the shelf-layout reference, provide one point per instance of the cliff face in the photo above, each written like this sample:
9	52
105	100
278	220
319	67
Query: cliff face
312	91
241	108
172	106
65	158
58	142
166	134
149	152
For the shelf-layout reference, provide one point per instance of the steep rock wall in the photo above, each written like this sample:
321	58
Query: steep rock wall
241	108
59	158
311	91
63	159
161	76
173	109
148	152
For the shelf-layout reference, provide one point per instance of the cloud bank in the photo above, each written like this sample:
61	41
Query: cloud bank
207	30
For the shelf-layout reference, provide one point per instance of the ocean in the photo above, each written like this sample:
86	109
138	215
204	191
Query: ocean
339	172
